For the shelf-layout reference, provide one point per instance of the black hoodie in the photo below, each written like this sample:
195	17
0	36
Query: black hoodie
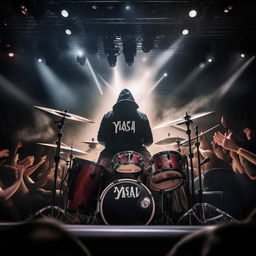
125	128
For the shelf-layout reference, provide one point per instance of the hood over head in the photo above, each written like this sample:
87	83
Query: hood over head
125	96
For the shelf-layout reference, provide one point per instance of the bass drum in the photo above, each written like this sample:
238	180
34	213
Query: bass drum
126	202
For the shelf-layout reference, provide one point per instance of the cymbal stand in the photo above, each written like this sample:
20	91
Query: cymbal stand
69	164
200	190
60	124
191	155
187	181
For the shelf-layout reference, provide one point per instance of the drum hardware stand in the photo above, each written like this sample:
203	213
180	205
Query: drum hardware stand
69	164
200	209
164	218
178	144
200	190
187	182
191	155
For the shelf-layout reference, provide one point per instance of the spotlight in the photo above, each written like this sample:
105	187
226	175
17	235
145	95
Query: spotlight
147	44
80	58
192	13
129	49
49	51
11	54
202	65
165	74
24	10
68	32
127	7
226	10
112	60
112	49
242	55
185	32
209	60
94	7
64	13
39	60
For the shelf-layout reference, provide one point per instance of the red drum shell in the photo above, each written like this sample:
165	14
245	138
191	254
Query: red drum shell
84	181
166	171
128	162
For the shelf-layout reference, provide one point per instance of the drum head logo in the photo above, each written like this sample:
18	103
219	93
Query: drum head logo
126	192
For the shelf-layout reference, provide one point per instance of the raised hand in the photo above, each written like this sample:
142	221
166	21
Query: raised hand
226	142
4	153
43	159
248	133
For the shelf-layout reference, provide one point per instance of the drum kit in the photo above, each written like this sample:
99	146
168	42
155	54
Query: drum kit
128	200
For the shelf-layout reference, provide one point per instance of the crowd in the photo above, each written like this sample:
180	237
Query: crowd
25	186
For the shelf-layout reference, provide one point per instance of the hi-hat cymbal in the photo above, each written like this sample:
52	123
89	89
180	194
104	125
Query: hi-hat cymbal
168	140
65	148
182	120
66	114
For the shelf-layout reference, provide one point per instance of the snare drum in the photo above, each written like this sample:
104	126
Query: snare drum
128	162
84	181
126	202
166	171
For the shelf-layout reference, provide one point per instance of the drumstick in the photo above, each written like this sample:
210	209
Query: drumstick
184	141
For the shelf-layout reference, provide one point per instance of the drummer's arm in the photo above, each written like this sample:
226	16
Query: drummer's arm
147	133
102	132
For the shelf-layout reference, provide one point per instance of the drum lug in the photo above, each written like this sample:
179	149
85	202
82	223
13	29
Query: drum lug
93	174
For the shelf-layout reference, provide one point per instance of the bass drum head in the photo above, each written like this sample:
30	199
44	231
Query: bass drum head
127	202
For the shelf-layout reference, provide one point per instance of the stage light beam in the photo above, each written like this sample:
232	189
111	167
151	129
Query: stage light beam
94	77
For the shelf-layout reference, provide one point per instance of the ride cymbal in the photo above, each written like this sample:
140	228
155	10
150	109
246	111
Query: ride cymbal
65	114
182	120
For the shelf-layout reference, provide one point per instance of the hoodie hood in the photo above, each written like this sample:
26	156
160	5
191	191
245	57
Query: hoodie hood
125	96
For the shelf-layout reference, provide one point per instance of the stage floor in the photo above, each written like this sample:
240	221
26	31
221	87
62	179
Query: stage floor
127	240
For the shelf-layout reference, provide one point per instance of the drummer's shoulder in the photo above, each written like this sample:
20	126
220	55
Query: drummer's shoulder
108	115
142	115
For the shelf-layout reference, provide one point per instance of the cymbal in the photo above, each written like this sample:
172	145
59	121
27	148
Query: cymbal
182	120
66	114
64	148
168	140
91	142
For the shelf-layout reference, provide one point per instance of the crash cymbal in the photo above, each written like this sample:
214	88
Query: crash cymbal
182	120
168	140
65	148
66	114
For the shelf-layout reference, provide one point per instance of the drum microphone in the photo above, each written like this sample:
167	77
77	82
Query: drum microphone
206	160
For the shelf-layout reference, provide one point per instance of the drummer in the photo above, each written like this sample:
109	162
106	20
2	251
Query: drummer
124	129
